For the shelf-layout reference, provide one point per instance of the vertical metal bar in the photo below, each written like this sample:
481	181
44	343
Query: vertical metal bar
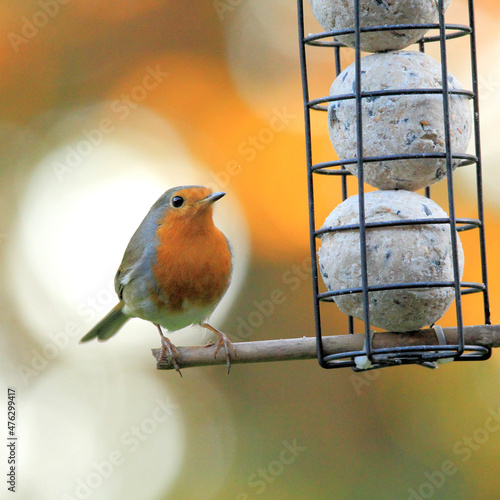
351	324
421	49
338	62
310	187
449	172
345	194
361	190
344	185
479	177
338	70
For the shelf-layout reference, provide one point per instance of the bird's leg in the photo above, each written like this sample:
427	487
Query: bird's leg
166	345
223	342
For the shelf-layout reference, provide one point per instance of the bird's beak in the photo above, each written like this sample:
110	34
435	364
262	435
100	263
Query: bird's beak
212	198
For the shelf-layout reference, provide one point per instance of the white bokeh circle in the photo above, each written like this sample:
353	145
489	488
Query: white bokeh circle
79	433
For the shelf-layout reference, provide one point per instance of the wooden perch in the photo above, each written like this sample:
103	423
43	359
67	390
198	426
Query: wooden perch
305	347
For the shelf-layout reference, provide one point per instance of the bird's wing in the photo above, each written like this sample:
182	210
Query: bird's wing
139	248
142	245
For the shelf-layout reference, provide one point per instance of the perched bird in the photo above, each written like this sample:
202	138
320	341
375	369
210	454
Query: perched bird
175	270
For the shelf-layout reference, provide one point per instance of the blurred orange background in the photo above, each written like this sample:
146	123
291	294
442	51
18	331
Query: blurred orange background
105	106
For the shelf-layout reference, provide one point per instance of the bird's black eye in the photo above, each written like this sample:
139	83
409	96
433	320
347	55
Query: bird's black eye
177	201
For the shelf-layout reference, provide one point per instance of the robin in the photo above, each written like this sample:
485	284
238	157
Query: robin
174	272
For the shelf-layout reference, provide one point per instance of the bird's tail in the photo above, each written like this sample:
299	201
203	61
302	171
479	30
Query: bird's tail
109	325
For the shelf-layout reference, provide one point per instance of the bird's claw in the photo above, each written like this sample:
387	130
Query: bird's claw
173	354
228	348
223	342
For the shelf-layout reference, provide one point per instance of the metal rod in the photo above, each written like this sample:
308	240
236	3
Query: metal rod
479	176
396	223
361	187
315	103
310	186
467	159
449	175
461	30
469	286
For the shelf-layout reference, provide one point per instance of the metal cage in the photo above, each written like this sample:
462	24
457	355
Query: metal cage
424	354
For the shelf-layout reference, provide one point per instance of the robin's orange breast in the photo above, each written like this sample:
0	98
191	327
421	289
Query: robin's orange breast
193	264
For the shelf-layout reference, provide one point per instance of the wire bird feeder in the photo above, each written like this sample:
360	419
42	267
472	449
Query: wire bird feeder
427	354
388	348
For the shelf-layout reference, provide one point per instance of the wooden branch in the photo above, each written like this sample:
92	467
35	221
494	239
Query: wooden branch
305	347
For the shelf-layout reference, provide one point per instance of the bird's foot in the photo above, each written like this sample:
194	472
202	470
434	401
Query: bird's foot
168	347
223	342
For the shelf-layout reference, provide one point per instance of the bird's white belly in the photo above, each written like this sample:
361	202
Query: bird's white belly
172	320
